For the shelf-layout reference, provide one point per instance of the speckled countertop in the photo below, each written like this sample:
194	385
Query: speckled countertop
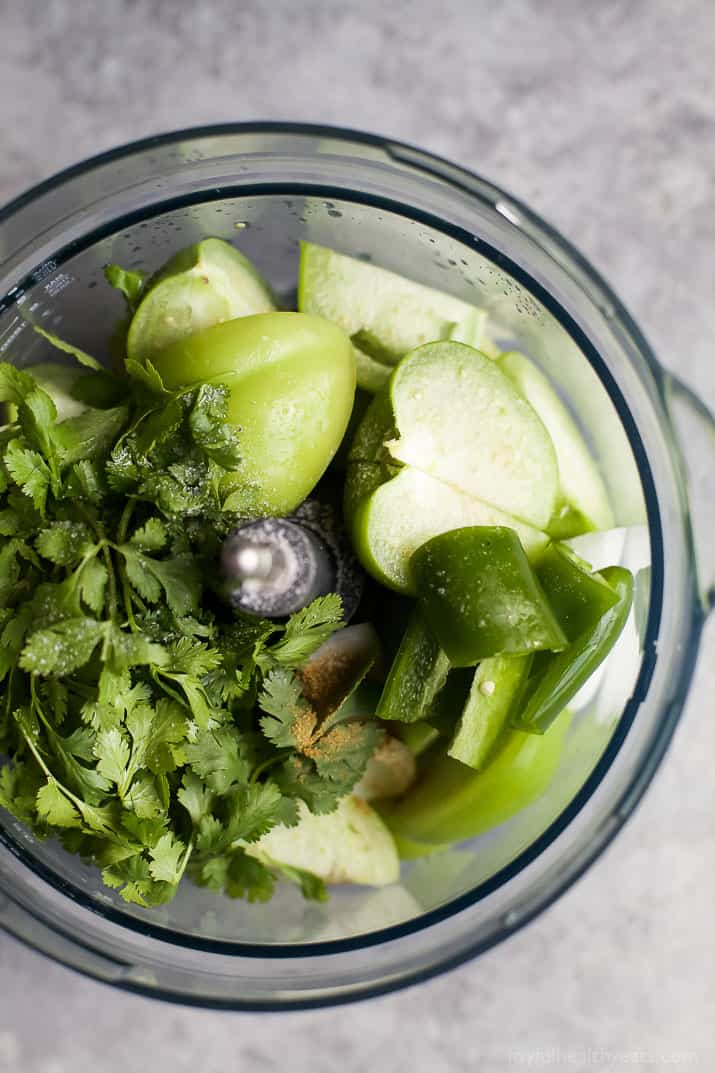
602	116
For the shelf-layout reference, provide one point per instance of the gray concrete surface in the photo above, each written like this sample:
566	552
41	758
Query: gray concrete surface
602	116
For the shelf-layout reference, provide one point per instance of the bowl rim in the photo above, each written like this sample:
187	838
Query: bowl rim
463	179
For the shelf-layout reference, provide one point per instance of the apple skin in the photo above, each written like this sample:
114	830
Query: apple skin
291	379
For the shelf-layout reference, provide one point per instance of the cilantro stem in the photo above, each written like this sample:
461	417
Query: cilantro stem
174	694
38	755
269	763
52	734
111	582
127	597
184	863
124	521
8	695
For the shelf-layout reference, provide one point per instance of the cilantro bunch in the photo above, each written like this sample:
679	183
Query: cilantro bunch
150	729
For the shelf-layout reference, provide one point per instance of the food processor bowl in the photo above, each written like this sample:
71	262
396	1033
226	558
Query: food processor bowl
265	187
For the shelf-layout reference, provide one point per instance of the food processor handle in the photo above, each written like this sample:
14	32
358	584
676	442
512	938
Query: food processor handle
694	426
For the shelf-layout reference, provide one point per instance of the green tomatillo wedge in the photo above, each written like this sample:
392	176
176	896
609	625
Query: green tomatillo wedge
481	597
451	802
376	425
392	509
565	672
291	379
202	285
461	420
385	314
497	687
418	672
578	597
583	501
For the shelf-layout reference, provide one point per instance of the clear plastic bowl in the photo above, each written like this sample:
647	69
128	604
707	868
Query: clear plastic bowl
265	186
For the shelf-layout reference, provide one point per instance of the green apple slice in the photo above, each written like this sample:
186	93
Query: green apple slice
461	420
200	286
349	845
385	314
389	524
583	494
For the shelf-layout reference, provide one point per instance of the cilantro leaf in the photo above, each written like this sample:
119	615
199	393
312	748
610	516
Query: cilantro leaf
306	630
132	877
195	796
146	802
19	786
29	471
156	427
19	518
251	812
131	649
167	859
92	581
113	753
216	756
146	374
312	886
297	777
13	636
178	578
64	543
192	657
68	348
238	876
37	415
90	434
169	730
55	808
129	282
210	427
289	720
342	754
86	481
152	536
62	648
15	384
